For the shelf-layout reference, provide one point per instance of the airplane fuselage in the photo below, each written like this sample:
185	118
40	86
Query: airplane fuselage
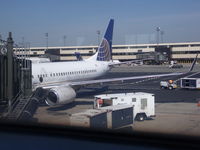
45	73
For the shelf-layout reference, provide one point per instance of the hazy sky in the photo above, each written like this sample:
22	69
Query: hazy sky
79	20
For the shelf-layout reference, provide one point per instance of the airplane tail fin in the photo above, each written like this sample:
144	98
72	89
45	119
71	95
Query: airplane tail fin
78	56
194	62
104	52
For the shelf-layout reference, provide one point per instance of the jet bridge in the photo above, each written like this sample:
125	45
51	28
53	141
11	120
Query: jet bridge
15	80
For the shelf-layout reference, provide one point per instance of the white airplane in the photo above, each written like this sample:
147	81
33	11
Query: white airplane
63	79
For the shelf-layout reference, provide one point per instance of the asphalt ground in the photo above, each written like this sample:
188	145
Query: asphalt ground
176	110
150	85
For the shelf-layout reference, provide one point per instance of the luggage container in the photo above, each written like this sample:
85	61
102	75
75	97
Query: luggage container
91	118
190	83
119	115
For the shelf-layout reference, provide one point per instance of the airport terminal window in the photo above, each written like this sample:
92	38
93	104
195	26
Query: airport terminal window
152	46
69	49
120	47
180	45
128	53
85	48
138	47
185	52
195	45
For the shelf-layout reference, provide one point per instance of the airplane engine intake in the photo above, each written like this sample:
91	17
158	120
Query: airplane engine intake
60	95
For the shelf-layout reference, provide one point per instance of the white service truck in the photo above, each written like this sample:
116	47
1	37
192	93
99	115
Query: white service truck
190	83
144	103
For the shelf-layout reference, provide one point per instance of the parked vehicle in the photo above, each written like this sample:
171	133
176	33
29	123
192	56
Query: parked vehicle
190	83
168	85
176	66
144	103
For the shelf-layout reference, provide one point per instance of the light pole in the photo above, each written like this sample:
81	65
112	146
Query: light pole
64	39
98	36
157	30
46	35
162	34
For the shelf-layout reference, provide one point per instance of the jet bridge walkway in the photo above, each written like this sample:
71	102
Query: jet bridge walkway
17	101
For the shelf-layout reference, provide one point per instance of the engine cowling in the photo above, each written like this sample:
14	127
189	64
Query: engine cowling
60	95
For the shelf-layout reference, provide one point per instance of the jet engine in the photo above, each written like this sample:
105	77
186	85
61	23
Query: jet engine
60	95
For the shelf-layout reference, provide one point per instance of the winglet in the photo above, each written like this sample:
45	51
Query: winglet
194	62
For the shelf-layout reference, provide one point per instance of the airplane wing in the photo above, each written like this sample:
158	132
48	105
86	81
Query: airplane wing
101	81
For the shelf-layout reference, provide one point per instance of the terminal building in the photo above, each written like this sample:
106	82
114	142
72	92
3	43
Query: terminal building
180	52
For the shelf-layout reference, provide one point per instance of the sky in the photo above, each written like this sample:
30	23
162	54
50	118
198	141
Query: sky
79	20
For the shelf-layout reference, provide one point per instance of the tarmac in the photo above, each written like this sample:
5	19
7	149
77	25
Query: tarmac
173	118
176	111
